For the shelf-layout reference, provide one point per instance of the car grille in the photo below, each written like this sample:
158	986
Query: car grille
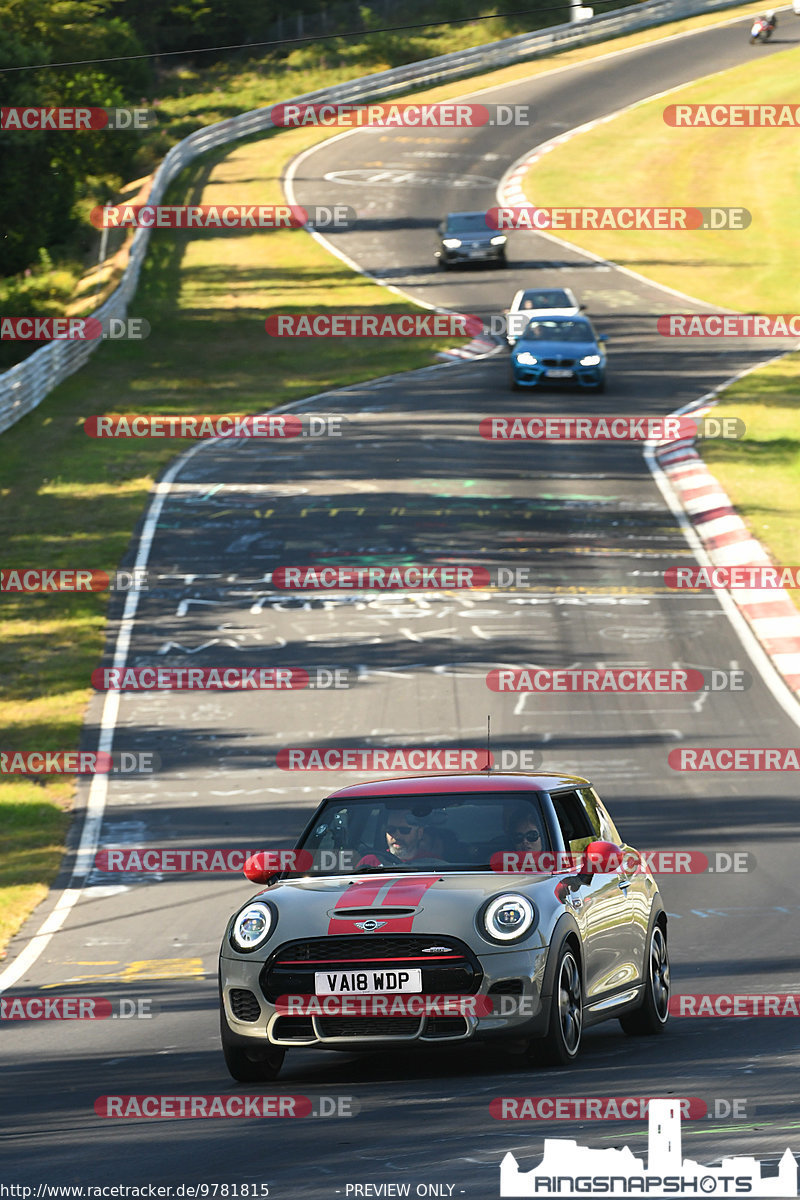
244	1005
558	362
365	1027
290	970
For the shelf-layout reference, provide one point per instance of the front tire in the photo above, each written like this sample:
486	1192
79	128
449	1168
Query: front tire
249	1066
560	1046
652	1016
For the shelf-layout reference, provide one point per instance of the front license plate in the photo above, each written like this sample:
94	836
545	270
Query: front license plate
335	983
558	374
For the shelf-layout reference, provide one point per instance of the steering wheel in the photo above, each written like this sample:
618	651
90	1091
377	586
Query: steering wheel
383	856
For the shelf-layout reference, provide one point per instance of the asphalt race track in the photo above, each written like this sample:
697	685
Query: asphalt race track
411	480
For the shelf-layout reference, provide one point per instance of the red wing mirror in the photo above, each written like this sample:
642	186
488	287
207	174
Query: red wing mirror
600	857
261	867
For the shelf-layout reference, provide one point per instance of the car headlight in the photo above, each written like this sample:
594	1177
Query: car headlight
500	240
591	360
527	359
451	243
508	917
252	926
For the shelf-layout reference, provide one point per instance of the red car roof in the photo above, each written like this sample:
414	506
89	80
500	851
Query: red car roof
467	782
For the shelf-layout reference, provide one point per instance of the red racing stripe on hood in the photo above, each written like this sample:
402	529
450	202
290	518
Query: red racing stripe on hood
364	894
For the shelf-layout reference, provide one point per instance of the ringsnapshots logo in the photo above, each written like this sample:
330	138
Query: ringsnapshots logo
335	217
73	329
568	1169
278	426
456	114
75	119
633	218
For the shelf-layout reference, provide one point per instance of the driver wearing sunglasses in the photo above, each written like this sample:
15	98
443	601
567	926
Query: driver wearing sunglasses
403	835
527	837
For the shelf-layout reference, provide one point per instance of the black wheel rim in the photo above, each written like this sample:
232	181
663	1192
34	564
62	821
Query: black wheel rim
570	1004
659	973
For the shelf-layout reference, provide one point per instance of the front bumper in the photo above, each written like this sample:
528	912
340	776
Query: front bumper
512	978
470	254
535	376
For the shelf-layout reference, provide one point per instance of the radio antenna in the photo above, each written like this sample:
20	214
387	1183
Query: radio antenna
488	743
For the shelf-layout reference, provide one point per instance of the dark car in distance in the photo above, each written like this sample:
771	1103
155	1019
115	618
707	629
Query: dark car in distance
465	237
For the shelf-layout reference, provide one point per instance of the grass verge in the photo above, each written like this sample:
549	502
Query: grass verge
637	159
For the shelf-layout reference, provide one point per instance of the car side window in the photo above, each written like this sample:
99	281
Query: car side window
573	819
604	828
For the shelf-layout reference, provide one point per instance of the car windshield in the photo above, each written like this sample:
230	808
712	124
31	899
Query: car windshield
467	223
557	331
456	832
555	298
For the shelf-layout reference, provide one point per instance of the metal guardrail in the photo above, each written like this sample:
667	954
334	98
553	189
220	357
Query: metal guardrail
24	386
